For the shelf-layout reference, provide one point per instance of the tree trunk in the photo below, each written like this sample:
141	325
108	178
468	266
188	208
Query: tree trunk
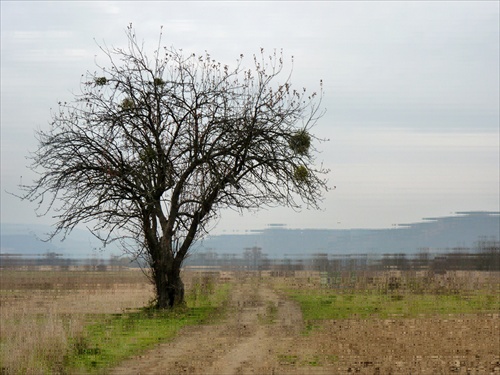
175	287
169	286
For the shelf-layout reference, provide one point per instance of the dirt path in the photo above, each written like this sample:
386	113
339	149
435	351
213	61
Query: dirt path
248	342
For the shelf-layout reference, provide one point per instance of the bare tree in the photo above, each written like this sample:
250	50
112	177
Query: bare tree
152	149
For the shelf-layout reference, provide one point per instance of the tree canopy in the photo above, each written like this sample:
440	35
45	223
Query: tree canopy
153	149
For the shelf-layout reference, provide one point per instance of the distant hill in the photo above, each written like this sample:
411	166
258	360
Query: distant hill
462	230
24	239
24	244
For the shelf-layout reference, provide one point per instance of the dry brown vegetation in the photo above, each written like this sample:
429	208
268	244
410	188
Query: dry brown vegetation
265	332
42	309
423	342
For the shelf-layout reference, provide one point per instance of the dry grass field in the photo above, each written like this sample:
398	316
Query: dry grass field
284	323
396	323
42	310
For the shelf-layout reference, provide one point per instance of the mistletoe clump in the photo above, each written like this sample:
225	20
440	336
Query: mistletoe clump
300	142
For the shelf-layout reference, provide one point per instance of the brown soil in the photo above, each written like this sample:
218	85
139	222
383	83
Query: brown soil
264	334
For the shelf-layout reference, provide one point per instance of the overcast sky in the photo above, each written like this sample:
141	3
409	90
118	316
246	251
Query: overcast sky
411	93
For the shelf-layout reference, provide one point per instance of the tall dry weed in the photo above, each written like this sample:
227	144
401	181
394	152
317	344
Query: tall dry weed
40	327
37	344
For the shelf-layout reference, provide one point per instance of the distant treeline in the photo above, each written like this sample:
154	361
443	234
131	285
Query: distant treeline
485	256
52	259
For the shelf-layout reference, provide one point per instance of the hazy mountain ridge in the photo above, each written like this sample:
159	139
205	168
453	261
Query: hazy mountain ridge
25	239
462	230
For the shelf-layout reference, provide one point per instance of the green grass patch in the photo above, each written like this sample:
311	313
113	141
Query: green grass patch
323	304
114	337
